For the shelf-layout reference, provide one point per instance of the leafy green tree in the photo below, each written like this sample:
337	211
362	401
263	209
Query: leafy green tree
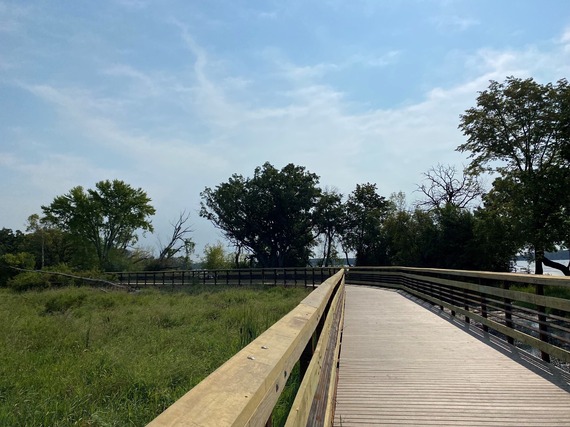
495	239
104	219
329	223
365	212
216	257
270	215
519	131
455	244
410	238
10	241
11	262
50	246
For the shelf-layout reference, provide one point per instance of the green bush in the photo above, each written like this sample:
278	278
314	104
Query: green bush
29	280
10	262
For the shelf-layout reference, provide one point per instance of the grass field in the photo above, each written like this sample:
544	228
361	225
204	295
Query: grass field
83	357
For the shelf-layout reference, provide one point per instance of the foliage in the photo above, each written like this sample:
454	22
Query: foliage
106	217
329	223
449	237
519	131
410	238
28	280
495	240
216	258
50	245
365	212
270	214
10	241
11	261
53	276
78	356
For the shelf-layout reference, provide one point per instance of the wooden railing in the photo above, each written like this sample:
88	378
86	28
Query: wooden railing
244	390
526	310
308	276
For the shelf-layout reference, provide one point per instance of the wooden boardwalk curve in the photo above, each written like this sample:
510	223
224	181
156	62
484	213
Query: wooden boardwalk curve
402	364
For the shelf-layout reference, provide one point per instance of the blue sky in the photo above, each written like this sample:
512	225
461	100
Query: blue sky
173	96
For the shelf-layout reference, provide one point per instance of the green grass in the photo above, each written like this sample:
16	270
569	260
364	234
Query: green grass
82	357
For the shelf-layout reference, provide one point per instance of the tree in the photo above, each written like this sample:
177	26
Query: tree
10	241
444	186
179	243
270	215
216	257
365	212
50	245
105	218
519	131
329	223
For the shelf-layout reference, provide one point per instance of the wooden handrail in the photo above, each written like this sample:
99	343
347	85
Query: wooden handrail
487	299
244	390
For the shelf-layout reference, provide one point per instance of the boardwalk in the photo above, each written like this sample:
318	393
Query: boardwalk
404	365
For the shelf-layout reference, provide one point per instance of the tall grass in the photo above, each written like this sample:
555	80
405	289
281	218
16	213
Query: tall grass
78	356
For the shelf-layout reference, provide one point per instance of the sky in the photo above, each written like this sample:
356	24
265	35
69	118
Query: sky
173	96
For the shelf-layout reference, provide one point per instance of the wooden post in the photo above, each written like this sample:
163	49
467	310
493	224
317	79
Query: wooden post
452	298
466	305
542	324
508	313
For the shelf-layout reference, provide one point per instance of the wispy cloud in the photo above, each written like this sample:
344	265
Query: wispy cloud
148	85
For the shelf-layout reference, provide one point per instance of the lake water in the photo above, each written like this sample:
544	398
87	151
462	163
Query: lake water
524	267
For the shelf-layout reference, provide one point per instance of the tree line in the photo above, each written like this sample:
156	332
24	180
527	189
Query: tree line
517	134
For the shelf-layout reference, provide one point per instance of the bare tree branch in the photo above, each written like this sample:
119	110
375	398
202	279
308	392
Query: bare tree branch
178	240
443	185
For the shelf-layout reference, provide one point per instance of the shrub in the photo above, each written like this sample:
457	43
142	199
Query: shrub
9	263
28	280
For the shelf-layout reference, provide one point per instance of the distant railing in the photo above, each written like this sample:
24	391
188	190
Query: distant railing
294	276
527	310
244	390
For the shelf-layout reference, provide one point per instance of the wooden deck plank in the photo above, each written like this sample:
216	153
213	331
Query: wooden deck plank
401	364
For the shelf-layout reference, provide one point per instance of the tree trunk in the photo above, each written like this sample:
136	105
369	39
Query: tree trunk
565	269
538	260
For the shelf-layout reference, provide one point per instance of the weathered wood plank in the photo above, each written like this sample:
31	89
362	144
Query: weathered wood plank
403	365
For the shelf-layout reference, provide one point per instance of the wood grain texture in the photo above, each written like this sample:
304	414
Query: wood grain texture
244	390
401	364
